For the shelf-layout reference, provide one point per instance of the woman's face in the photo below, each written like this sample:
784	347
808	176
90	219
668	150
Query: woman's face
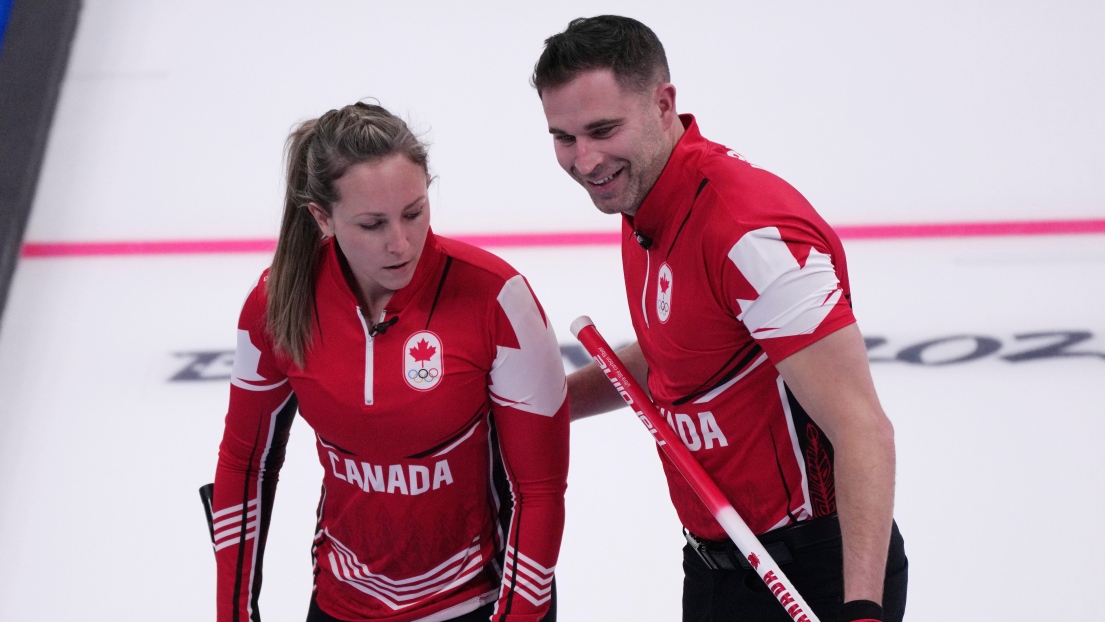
380	222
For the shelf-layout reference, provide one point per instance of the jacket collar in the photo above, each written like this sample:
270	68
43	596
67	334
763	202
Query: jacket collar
429	263
673	193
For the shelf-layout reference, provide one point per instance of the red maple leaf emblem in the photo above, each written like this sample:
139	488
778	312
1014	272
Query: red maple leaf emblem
755	561
422	352
664	283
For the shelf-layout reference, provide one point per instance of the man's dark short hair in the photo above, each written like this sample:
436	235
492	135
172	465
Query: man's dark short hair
622	44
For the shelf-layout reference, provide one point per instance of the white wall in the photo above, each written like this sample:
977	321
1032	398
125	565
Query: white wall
173	116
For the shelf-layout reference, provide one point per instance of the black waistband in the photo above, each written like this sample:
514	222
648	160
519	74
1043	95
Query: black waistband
807	533
782	544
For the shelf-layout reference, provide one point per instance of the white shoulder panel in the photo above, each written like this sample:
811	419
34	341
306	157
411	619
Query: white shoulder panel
247	358
793	299
531	377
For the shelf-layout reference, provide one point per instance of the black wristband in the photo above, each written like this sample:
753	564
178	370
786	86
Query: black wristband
859	610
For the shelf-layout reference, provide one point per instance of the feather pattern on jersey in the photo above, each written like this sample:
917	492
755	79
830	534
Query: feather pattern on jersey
820	471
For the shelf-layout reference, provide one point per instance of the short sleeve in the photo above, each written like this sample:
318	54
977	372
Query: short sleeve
785	286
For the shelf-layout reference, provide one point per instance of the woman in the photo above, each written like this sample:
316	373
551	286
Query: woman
427	371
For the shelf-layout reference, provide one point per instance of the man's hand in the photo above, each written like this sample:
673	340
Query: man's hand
591	393
859	611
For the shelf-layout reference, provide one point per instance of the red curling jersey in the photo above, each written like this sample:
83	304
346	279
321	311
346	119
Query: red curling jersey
740	273
409	423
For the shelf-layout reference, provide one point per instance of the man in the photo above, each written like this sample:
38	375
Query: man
740	300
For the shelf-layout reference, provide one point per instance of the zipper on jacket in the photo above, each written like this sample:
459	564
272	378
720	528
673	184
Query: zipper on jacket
368	355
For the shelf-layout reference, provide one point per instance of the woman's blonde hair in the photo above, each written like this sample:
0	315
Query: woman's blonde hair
318	153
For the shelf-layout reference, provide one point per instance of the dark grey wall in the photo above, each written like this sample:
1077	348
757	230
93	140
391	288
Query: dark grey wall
32	64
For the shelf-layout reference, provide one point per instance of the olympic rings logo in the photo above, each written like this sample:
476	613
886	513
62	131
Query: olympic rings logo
423	361
419	376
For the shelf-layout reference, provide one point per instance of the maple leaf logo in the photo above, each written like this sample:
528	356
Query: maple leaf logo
755	561
422	352
664	283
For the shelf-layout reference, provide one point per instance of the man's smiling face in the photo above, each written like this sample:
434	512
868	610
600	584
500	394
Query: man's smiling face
608	138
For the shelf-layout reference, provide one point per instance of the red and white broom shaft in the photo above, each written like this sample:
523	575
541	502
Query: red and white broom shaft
696	476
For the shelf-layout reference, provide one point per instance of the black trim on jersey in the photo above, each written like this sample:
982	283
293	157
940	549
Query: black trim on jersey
318	317
515	519
802	419
501	486
277	450
702	185
782	475
754	350
473	421
319	540
282	426
335	446
440	286
687	217
239	565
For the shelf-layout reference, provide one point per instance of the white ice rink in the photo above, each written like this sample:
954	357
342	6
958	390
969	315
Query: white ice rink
988	352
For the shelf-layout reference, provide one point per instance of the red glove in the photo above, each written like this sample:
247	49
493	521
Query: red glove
859	611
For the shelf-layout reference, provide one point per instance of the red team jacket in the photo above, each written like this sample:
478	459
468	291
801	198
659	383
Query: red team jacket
739	273
408	519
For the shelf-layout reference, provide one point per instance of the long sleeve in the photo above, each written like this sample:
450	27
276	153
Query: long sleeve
262	407
530	409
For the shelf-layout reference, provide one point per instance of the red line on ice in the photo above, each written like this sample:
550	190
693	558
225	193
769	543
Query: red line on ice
579	238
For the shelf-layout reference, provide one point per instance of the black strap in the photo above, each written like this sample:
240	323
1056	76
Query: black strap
207	493
782	544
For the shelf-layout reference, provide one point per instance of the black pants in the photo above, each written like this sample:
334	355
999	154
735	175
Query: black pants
816	572
483	614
